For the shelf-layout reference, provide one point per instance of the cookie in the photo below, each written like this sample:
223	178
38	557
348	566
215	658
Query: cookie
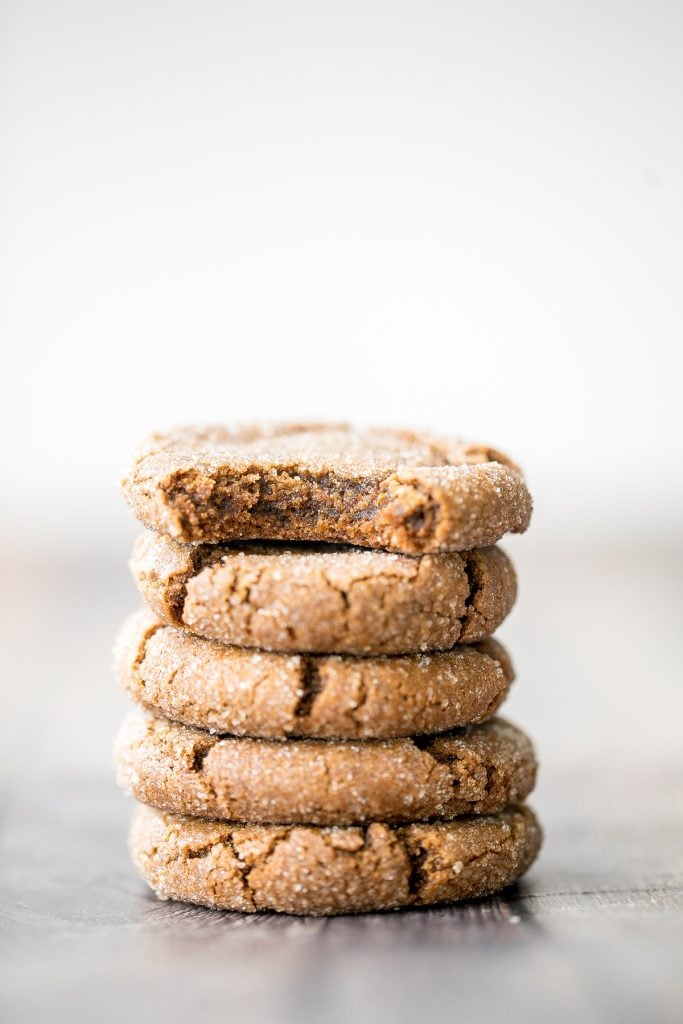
480	769
255	693
375	488
325	600
309	870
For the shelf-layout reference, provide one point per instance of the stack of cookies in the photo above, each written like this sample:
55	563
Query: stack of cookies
316	728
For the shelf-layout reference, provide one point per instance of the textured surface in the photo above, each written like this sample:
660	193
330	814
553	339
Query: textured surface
305	870
307	598
376	488
477	770
255	693
592	933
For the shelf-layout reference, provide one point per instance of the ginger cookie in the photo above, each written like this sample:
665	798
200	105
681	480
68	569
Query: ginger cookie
377	488
480	769
325	600
301	869
257	693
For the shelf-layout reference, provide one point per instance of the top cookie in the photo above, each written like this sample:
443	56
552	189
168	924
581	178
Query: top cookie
380	488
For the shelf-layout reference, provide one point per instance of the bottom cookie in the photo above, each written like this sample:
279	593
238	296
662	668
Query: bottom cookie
305	869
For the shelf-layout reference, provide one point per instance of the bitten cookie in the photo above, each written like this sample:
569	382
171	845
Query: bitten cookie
311	598
308	870
255	693
376	488
478	770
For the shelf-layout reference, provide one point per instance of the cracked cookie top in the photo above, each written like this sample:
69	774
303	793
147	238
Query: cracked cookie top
306	870
476	770
257	693
324	599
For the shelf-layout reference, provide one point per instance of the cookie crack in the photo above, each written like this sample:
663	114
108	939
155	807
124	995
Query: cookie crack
490	782
311	686
261	861
200	558
198	758
196	853
197	767
244	871
474	587
245	600
460	774
362	696
141	652
416	874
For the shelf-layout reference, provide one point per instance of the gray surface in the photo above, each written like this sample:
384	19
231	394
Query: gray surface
594	933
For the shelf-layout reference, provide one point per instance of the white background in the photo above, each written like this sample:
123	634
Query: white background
461	216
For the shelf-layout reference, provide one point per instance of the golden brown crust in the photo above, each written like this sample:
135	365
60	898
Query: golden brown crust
477	770
309	870
314	598
375	488
255	693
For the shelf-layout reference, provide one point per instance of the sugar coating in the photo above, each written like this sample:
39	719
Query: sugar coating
255	693
321	599
480	769
378	488
308	870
